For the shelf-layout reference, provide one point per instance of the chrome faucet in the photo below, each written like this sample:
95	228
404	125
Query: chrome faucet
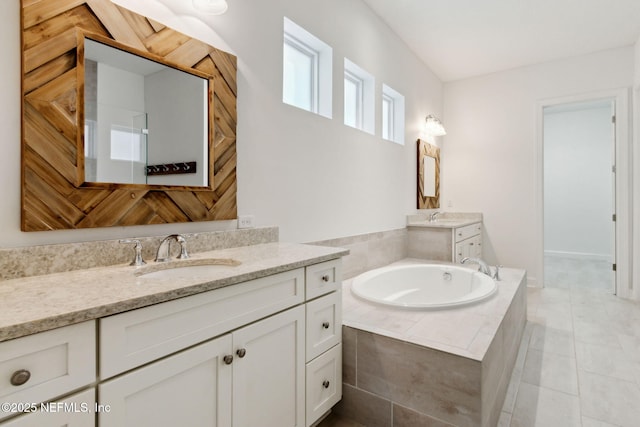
484	268
164	250
433	216
137	258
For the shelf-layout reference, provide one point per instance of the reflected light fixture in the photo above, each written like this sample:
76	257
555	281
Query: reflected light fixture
433	126
210	7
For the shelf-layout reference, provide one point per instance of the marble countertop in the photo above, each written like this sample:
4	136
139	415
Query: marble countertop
39	303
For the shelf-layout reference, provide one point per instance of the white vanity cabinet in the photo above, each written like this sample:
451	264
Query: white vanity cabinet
448	242
468	242
236	356
246	378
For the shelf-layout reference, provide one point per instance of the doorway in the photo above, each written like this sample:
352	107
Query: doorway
579	188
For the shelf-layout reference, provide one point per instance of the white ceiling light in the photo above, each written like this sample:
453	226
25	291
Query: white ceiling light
210	7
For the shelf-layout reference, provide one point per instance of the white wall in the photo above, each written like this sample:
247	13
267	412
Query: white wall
578	185
314	177
489	153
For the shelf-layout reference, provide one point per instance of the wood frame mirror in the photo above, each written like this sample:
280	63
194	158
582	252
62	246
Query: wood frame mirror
54	194
428	199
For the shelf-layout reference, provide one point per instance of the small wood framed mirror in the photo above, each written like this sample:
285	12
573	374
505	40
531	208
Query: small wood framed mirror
428	175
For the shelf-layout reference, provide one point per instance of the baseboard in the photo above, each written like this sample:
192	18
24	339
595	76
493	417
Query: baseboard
579	255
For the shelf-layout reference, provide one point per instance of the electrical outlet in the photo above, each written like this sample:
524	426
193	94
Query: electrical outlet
245	221
450	203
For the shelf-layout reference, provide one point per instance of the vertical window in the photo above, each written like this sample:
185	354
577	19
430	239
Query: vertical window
392	115
359	96
300	68
306	70
352	100
387	116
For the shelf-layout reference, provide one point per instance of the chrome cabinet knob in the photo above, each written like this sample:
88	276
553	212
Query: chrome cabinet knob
241	352
228	359
325	278
326	383
326	325
20	377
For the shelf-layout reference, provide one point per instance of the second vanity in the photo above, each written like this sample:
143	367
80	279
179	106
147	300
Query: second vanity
449	237
257	343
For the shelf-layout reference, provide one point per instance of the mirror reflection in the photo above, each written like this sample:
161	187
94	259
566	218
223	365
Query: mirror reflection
145	122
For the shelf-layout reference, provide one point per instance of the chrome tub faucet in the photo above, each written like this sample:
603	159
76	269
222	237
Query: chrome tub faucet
484	267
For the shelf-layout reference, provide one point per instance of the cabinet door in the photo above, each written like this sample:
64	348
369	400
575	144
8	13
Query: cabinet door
269	372
191	388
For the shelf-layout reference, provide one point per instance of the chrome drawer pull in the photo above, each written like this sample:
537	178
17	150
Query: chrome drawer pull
241	352
326	325
228	359
325	383
325	278
20	377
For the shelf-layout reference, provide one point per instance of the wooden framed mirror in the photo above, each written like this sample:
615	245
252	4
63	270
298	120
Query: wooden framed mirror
428	175
56	193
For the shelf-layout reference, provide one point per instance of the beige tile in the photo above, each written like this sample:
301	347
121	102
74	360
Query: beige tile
552	340
595	333
551	370
609	399
505	420
445	327
349	336
605	360
405	417
590	422
364	408
543	407
428	381
334	420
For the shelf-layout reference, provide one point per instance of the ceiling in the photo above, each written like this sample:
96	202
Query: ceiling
464	38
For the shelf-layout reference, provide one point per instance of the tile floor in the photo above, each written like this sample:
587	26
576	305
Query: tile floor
579	360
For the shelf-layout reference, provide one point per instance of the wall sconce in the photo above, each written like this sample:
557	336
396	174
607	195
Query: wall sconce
433	126
210	7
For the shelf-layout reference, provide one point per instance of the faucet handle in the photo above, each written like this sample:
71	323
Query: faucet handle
496	275
137	259
183	247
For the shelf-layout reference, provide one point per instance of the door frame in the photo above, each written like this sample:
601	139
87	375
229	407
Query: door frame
623	198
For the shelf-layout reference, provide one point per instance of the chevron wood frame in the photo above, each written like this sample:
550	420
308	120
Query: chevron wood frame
426	149
54	194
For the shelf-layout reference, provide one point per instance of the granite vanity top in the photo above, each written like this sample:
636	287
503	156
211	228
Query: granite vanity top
444	220
39	303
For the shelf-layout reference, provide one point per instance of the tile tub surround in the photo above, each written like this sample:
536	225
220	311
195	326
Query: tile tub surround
445	367
47	259
369	251
34	304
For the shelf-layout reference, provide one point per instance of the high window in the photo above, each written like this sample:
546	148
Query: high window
392	115
358	97
306	70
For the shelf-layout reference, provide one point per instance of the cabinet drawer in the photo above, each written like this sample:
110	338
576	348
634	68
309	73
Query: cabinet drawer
136	337
324	383
55	362
323	278
324	324
468	231
74	411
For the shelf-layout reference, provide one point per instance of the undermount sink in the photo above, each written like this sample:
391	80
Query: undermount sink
185	269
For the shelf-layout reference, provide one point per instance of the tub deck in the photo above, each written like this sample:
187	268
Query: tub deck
450	365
